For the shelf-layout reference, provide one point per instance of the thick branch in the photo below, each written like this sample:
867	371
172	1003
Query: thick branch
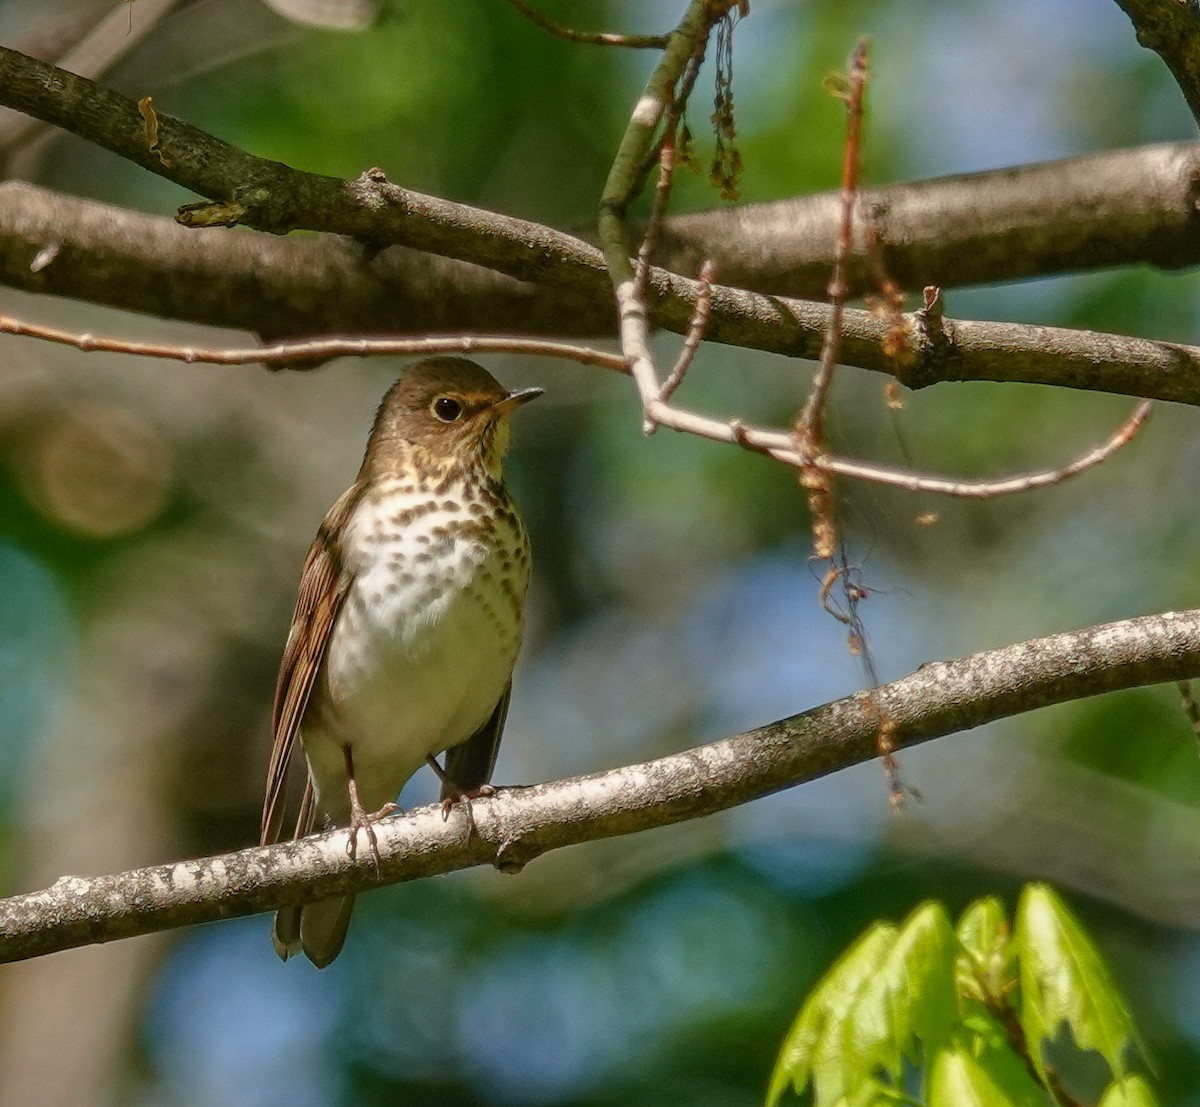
1120	208
272	286
1171	28
519	825
281	287
275	197
270	196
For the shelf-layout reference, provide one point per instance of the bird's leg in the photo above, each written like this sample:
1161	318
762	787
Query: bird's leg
359	819
432	762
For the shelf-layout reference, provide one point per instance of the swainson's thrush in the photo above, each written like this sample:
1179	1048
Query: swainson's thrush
407	624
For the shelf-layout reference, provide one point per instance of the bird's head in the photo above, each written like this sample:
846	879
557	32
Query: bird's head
444	412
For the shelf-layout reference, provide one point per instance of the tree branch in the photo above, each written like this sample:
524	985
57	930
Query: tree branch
518	825
276	197
1171	28
274	287
283	287
270	196
1123	207
1120	208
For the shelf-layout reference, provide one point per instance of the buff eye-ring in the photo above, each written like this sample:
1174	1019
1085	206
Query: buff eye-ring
447	409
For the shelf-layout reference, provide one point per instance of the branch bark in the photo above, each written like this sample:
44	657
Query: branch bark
1125	207
274	197
518	825
274	287
283	287
1171	28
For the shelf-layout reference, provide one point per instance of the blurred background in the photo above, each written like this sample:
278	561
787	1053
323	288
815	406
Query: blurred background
153	518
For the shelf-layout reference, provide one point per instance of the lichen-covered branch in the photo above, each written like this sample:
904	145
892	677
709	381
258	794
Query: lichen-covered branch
518	825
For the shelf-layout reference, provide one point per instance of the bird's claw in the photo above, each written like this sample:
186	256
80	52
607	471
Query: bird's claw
360	820
465	798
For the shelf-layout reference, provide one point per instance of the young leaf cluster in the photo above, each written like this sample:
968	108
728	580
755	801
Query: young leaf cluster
926	1012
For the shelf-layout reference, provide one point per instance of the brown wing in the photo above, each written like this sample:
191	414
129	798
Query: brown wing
323	587
469	765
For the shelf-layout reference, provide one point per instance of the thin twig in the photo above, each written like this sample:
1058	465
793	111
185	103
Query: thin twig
691	343
593	38
634	146
662	196
778	444
808	426
816	478
983	490
781	447
298	355
675	117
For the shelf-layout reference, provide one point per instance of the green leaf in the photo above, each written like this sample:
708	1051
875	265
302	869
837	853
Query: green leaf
1064	979
985	964
910	1000
1132	1091
876	1094
958	1078
806	1052
982	1035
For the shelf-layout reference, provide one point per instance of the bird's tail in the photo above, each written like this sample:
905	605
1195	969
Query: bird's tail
318	930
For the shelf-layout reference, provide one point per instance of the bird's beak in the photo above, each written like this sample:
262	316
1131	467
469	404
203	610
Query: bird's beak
515	400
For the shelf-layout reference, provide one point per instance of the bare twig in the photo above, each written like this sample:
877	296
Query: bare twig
662	196
516	826
817	478
808	426
694	336
776	443
983	490
594	38
780	446
295	355
638	139
817	481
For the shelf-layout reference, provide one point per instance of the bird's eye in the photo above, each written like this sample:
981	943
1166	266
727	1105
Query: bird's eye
447	409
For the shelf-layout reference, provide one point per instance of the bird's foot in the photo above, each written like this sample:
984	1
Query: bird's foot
457	795
361	820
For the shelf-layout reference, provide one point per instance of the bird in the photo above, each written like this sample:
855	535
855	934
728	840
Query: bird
407	625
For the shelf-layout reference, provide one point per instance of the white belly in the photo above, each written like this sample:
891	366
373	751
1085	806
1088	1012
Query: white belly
420	654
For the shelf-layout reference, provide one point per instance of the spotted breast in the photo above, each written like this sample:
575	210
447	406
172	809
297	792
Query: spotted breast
427	638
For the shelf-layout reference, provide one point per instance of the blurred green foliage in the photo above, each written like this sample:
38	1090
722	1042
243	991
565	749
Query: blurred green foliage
659	971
